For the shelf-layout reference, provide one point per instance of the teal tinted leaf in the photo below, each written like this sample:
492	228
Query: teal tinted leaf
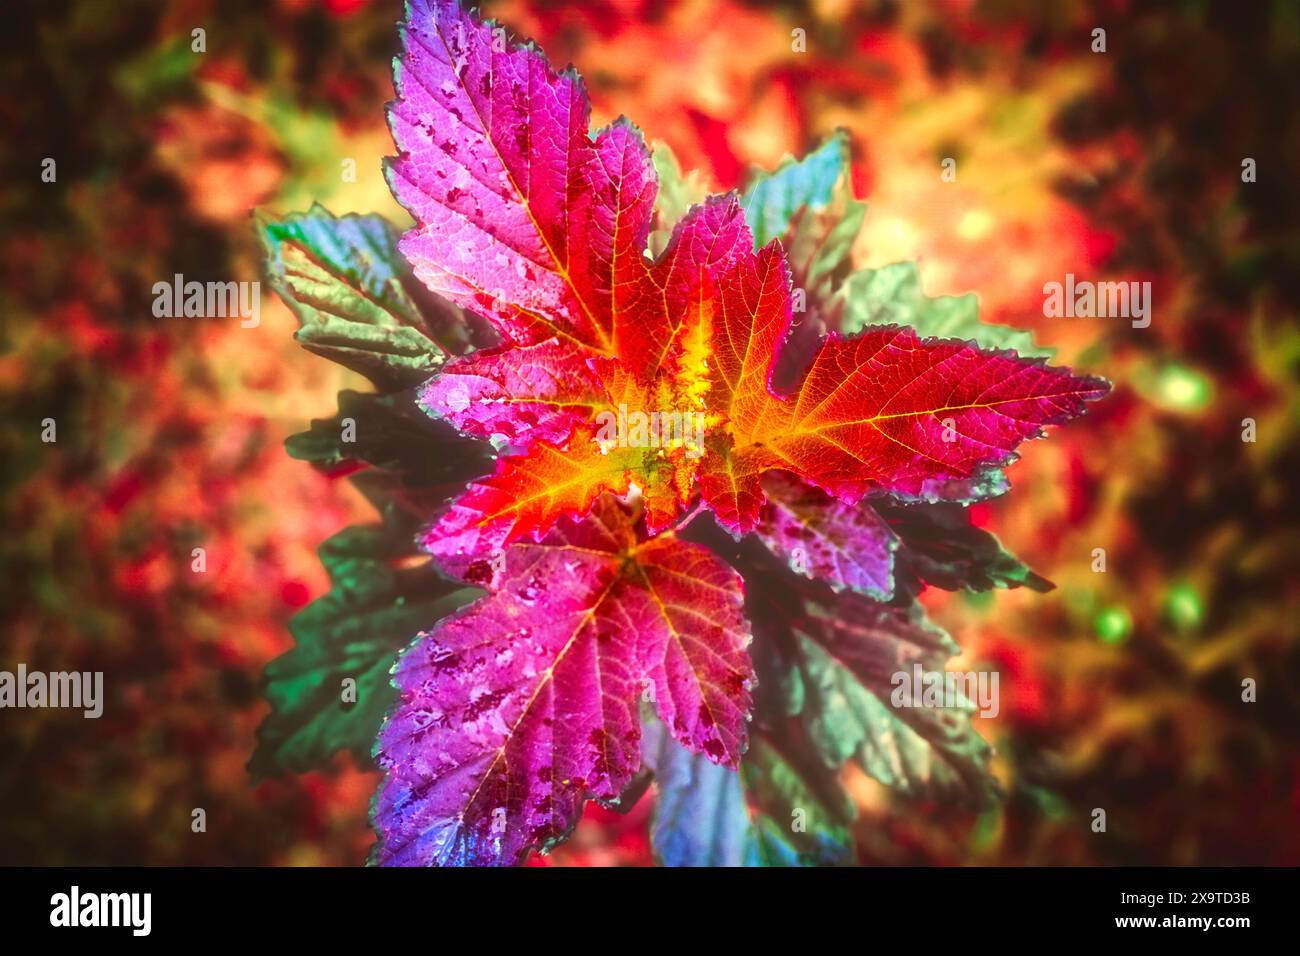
355	631
822	260
892	295
700	816
355	302
784	808
808	204
773	200
941	547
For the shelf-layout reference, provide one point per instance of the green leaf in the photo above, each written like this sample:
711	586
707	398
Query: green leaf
825	663
892	295
803	817
393	433
373	610
941	547
358	304
830	659
355	299
848	668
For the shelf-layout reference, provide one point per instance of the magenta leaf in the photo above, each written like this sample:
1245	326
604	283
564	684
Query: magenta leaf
522	216
516	395
520	707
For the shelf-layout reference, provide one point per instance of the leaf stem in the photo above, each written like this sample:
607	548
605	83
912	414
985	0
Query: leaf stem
689	516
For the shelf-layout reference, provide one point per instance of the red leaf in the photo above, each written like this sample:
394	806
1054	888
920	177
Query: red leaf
885	410
524	216
525	497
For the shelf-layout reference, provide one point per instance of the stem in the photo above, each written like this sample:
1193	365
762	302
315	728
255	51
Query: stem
689	516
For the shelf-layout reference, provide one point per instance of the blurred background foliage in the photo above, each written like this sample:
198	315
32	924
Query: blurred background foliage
1120	690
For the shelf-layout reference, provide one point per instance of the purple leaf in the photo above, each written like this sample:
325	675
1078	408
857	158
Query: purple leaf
846	546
